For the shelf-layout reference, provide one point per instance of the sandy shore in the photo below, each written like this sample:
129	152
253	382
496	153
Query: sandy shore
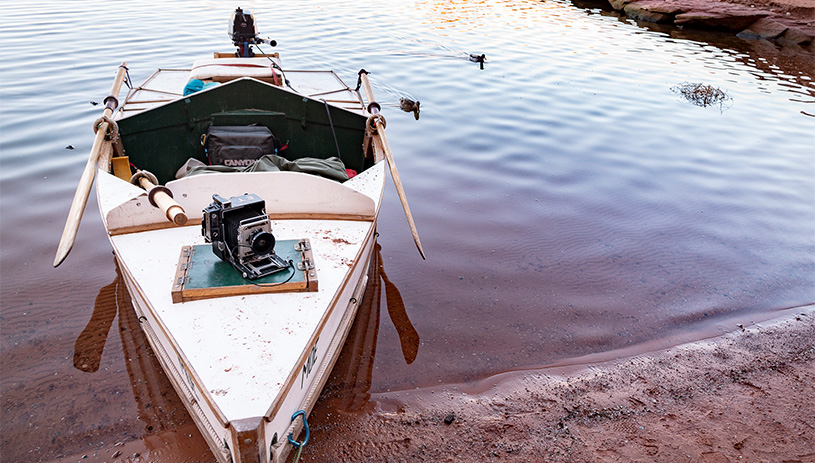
746	396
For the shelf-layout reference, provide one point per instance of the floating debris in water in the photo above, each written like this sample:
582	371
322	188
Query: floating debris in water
407	105
702	94
70	147
94	103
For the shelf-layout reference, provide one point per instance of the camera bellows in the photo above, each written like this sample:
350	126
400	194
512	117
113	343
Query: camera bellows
241	234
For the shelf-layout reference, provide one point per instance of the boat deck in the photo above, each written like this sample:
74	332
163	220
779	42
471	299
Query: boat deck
248	341
243	348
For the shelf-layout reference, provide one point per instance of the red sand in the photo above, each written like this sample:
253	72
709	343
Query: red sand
747	396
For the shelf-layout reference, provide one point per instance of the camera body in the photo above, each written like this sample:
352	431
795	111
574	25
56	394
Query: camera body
241	234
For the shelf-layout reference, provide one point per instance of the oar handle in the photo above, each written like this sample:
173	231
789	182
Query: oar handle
379	124
162	198
373	107
83	190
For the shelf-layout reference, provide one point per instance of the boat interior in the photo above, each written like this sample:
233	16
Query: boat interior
160	135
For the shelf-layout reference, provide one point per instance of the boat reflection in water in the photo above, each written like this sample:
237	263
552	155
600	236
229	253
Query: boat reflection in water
169	433
347	389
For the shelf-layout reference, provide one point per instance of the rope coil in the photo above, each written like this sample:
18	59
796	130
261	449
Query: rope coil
143	173
113	127
372	121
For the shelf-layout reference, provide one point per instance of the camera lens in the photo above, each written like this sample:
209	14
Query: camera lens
262	243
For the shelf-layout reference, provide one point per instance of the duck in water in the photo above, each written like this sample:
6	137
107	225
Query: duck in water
409	105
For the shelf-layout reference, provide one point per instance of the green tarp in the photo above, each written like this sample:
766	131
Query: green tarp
331	168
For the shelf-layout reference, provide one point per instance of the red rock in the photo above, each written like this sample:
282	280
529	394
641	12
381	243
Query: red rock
618	4
654	11
796	36
764	28
662	6
729	21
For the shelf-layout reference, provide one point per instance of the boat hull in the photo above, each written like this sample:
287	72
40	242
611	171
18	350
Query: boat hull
245	364
262	438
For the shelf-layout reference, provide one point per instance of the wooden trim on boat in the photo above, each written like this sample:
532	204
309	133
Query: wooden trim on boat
332	354
288	384
288	216
316	198
149	101
323	216
143	228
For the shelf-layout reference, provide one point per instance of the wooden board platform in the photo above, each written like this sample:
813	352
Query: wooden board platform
203	275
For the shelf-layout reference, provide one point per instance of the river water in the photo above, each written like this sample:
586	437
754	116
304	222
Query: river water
573	206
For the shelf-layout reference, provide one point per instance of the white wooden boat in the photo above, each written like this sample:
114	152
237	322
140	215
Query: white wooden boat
248	363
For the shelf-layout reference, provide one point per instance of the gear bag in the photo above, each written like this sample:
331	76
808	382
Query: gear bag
239	146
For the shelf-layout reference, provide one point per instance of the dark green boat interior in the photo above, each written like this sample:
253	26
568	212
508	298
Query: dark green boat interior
163	138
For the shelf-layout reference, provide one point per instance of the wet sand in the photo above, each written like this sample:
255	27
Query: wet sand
745	396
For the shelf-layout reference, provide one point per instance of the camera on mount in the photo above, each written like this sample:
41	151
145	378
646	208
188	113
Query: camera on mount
241	234
244	33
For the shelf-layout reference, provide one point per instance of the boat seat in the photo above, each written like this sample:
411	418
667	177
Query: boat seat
227	69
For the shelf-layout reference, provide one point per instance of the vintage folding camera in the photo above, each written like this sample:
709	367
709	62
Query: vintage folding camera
241	234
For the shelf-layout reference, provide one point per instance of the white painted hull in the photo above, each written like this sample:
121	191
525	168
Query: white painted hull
243	365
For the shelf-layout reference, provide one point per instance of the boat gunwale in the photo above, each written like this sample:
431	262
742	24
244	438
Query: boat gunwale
177	382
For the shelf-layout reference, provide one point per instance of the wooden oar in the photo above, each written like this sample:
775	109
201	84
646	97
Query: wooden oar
160	197
86	181
373	108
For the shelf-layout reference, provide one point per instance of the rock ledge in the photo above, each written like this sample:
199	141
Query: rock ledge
785	22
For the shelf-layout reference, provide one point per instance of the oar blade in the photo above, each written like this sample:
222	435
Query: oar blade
400	191
66	242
